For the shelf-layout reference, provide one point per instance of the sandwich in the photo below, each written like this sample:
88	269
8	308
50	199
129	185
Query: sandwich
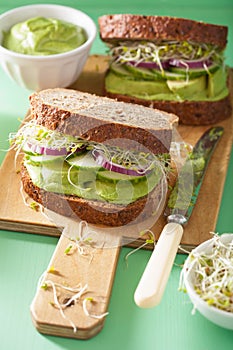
94	158
173	64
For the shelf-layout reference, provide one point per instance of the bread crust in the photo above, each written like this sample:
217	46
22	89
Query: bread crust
85	121
189	112
94	212
137	27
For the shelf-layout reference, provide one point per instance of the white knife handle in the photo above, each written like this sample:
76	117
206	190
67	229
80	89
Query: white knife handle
154	279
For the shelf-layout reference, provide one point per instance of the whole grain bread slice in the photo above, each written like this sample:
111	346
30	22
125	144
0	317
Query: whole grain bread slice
117	27
189	112
92	211
103	119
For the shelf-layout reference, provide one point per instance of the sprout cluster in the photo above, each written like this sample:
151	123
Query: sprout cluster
213	274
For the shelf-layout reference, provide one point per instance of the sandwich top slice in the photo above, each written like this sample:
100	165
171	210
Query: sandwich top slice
94	157
174	64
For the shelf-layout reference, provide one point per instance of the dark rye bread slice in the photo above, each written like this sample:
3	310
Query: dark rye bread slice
189	112
137	27
102	119
95	212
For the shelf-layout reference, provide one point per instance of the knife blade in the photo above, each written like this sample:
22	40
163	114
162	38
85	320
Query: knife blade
179	208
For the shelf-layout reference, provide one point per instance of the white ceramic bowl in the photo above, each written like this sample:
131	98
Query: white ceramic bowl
215	315
41	72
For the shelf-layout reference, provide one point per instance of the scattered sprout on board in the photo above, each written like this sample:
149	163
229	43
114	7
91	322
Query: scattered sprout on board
83	242
78	292
150	240
213	274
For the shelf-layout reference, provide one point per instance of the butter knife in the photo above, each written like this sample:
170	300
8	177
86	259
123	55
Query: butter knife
179	208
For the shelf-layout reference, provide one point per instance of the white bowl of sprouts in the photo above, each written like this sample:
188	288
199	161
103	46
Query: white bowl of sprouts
207	277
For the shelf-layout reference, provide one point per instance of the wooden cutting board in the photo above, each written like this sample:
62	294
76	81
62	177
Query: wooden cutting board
16	216
95	270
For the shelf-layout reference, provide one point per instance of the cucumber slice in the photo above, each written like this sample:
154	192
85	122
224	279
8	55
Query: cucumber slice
86	165
84	161
44	159
174	73
194	72
167	75
144	73
121	70
135	73
113	176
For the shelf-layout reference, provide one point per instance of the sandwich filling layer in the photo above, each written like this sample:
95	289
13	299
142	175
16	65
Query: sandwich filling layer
67	165
175	71
58	176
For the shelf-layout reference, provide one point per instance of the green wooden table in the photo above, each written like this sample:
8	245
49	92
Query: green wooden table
23	257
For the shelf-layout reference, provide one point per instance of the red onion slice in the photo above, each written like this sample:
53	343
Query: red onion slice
107	164
42	150
174	62
190	64
46	150
150	65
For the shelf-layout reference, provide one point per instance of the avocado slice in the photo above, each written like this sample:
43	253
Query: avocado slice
188	89
217	82
120	85
204	88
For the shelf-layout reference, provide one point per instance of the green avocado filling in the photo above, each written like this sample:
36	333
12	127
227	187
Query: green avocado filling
205	83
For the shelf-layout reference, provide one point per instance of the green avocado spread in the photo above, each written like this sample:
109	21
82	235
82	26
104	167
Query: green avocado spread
43	36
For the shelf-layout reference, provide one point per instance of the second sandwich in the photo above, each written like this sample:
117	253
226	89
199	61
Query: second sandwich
173	64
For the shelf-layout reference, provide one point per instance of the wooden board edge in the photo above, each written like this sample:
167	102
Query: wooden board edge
25	227
63	331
